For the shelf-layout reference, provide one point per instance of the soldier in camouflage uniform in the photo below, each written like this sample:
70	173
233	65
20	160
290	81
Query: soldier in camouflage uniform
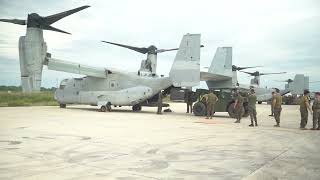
252	108
272	98
160	96
276	104
304	107
188	99
238	107
211	100
316	112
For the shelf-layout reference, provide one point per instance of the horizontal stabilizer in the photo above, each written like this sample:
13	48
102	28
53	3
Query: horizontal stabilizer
185	71
206	76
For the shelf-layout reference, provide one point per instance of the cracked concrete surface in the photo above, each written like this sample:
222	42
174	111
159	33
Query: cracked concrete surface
80	143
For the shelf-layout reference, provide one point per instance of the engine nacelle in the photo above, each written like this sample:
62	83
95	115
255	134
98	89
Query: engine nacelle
32	52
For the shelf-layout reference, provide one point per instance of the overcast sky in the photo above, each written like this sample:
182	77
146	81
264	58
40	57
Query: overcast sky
281	35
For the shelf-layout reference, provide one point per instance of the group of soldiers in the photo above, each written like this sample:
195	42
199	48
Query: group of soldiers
276	107
305	106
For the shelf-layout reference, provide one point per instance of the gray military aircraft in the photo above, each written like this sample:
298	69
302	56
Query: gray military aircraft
223	75
107	86
102	86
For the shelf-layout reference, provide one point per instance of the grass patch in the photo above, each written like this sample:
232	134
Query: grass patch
13	99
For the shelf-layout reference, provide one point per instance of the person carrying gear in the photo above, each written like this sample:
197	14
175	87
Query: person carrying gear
252	108
211	100
188	99
276	103
272	98
304	107
316	112
238	107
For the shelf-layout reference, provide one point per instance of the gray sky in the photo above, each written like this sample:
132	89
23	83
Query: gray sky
281	35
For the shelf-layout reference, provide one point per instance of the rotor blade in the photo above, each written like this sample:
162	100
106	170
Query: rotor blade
54	29
174	49
314	82
248	73
140	50
261	74
56	17
14	21
165	50
241	68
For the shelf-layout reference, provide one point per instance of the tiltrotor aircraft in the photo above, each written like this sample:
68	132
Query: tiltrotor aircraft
223	75
102	86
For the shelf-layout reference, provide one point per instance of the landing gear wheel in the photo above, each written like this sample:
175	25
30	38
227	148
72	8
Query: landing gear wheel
259	102
63	105
136	108
231	110
199	109
103	108
246	111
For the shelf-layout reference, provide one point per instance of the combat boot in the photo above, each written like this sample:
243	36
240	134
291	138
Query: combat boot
318	128
277	125
251	125
313	128
256	124
237	121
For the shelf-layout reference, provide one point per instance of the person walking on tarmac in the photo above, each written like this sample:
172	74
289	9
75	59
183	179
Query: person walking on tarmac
238	106
188	99
304	107
252	108
160	96
316	112
272	98
276	104
211	100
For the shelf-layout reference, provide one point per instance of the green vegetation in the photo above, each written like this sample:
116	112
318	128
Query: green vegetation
11	96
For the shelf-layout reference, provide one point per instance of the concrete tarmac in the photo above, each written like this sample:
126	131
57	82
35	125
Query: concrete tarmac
80	143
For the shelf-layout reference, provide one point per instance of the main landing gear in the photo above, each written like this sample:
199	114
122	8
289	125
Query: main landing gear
105	108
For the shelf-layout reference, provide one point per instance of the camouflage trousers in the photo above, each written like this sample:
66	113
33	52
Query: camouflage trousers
277	114
210	110
189	107
316	118
304	117
239	112
253	114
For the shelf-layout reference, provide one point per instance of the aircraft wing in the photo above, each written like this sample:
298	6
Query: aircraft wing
70	67
206	76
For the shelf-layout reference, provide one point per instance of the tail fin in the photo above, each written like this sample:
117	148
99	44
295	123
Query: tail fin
185	71
222	62
298	84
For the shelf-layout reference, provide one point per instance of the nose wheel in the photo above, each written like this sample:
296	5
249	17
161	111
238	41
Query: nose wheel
136	108
105	108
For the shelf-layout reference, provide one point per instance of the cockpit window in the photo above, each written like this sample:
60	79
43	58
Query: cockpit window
63	84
